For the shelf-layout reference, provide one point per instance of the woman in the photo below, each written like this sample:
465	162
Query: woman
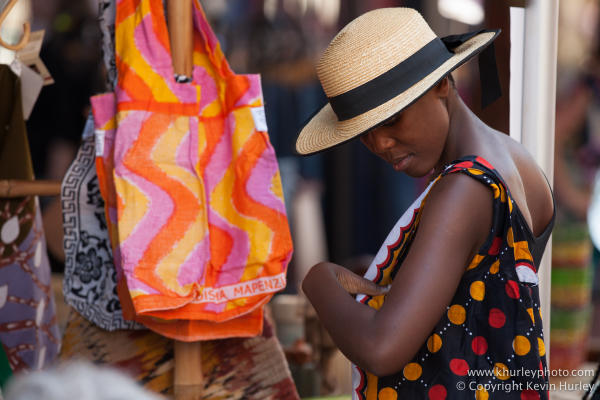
458	296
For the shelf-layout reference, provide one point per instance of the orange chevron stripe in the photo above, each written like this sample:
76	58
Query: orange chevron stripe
125	9
131	83
189	109
252	152
221	244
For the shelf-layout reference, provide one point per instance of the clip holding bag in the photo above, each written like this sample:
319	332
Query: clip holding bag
200	235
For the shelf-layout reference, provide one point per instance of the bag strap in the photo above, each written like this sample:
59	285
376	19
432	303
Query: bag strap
143	53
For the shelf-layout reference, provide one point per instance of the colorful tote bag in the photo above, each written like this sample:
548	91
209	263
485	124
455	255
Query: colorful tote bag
29	332
193	194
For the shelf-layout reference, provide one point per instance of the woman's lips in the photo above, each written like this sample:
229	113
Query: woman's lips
401	163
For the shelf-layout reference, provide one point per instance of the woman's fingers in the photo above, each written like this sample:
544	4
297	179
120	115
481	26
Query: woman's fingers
354	284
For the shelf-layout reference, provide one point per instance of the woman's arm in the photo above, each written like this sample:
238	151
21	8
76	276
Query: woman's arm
455	222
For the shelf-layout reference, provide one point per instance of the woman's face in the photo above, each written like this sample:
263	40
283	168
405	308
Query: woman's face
414	139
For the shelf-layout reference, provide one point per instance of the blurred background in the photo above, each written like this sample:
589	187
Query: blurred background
342	203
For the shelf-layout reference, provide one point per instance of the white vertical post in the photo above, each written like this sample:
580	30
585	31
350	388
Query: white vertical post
540	27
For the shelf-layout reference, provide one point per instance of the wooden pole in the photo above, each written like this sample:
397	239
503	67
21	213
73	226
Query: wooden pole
10	188
188	379
179	15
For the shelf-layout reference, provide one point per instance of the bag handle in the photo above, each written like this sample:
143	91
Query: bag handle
142	39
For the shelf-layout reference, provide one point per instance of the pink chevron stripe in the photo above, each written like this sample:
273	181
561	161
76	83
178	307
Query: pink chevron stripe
202	25
160	206
209	92
160	60
258	185
135	284
192	269
103	107
253	93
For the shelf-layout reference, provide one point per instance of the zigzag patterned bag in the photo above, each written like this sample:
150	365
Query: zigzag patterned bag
191	184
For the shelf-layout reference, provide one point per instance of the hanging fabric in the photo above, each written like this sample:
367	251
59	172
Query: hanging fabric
90	282
193	195
28	329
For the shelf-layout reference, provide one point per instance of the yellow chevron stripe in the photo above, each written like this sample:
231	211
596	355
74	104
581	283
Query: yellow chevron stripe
135	207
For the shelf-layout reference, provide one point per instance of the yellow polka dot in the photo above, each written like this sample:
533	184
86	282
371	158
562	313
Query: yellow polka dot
477	290
457	314
434	343
541	347
412	371
530	311
475	262
510	237
495	267
501	371
521	345
481	393
475	171
540	312
387	394
510	206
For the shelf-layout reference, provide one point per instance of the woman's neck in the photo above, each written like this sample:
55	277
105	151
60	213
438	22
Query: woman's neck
464	131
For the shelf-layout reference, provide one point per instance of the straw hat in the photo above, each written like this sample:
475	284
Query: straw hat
379	64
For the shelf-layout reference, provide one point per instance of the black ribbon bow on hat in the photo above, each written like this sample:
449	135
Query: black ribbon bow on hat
488	69
417	67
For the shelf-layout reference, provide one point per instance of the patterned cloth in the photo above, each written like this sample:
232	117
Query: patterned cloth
201	224
28	329
90	282
493	324
234	369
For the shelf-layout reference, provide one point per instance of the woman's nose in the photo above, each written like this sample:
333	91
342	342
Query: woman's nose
380	141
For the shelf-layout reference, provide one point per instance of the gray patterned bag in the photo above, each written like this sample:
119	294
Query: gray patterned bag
90	282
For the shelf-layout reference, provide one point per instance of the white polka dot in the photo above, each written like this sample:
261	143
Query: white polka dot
39	312
37	258
3	295
10	230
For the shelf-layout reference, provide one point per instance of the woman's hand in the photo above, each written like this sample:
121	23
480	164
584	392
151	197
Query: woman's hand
348	280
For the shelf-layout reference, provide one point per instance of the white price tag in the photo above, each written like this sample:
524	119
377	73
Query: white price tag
260	119
99	142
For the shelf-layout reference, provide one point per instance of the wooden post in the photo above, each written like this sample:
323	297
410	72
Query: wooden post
188	380
179	15
10	188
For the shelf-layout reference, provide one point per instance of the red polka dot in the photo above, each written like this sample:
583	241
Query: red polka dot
464	164
437	392
479	345
495	247
484	162
512	289
529	394
459	366
496	318
542	369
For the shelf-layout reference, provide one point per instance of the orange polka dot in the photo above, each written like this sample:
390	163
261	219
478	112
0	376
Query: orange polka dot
540	312
541	347
434	343
477	290
510	237
387	394
495	267
474	171
481	393
475	262
412	371
501	371
521	345
457	314
530	311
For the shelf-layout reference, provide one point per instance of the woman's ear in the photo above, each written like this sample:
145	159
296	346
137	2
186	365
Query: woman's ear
443	88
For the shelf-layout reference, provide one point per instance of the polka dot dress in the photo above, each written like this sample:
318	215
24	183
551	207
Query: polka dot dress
489	344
